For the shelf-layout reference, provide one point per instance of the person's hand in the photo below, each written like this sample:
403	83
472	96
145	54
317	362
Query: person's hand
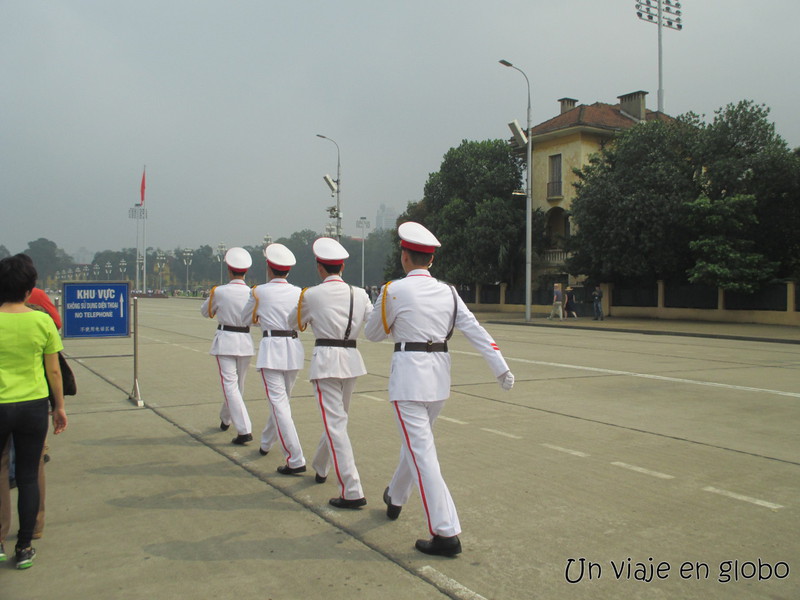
59	420
506	380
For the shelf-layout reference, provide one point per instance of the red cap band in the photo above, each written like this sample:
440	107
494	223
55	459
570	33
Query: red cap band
275	267
418	247
238	271
333	263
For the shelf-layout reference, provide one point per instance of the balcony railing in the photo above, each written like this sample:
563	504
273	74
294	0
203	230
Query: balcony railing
555	256
554	189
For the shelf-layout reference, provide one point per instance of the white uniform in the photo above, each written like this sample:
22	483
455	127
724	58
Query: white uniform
419	309
333	372
280	358
232	349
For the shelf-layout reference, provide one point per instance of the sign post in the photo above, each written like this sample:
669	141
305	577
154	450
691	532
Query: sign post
100	309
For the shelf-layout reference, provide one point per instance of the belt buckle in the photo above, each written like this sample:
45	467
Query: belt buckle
429	346
294	334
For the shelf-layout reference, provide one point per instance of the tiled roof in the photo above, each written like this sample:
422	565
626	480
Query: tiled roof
598	115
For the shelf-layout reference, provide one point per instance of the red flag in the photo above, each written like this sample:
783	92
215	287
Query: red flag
143	186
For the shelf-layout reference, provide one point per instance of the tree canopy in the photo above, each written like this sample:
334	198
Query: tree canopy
469	205
716	203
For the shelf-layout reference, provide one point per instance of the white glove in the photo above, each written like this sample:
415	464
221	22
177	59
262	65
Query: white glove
506	380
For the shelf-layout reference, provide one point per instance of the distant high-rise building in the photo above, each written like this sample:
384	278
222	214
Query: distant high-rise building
386	218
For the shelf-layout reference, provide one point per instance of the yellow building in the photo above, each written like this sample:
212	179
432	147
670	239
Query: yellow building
566	142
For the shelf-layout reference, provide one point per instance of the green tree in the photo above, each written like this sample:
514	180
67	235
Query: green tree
629	211
724	255
47	257
741	153
469	205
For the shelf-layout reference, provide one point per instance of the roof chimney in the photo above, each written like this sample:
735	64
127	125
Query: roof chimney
633	104
567	104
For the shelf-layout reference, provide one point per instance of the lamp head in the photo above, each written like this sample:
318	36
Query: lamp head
505	63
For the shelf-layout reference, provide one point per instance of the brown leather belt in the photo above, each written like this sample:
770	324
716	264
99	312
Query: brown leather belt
420	347
336	343
234	328
280	333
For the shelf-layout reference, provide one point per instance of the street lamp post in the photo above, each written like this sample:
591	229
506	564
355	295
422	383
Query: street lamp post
96	270
664	13
86	272
123	266
336	186
528	199
161	260
220	257
363	225
187	260
108	269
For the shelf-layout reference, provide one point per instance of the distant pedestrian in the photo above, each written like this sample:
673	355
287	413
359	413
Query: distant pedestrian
569	303
597	303
558	302
336	312
232	345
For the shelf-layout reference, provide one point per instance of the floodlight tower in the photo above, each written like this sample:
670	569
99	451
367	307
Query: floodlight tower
335	186
664	13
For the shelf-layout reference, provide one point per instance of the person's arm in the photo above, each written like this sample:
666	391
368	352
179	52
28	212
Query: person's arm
376	328
53	372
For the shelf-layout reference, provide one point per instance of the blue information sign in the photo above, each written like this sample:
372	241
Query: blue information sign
96	309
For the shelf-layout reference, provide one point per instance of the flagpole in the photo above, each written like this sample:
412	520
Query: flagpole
144	237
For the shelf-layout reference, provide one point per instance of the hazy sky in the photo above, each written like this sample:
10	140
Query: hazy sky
222	100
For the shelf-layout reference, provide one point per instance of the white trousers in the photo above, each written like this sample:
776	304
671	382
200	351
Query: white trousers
419	465
232	373
280	426
334	449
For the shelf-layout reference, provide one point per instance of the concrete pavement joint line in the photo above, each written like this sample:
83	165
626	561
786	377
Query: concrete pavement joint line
503	433
643	470
324	512
567	450
726	386
373	398
627	428
461	592
452	420
749	499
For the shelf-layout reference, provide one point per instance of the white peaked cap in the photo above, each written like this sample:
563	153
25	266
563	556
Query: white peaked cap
416	237
329	252
238	259
279	257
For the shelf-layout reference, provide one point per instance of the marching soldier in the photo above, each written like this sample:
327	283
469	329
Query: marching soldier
280	354
420	313
337	312
232	343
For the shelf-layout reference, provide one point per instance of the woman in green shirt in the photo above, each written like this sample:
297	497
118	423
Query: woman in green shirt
28	338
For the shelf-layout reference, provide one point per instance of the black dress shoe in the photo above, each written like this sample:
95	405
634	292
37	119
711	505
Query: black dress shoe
287	470
392	510
342	503
440	546
263	452
319	478
223	427
242	439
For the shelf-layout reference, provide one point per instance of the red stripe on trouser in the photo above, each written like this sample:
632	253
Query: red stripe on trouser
275	418
419	475
330	440
222	383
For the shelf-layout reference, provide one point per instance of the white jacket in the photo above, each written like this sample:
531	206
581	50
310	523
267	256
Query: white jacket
225	304
269	307
419	308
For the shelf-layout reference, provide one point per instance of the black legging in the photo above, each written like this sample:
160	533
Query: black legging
28	422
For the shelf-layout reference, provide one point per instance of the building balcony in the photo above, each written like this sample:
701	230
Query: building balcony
555	257
554	190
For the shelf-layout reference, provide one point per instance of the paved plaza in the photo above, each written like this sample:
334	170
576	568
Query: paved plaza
632	459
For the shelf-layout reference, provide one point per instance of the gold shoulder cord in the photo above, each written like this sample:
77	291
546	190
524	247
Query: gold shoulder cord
211	312
300	325
255	307
386	328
